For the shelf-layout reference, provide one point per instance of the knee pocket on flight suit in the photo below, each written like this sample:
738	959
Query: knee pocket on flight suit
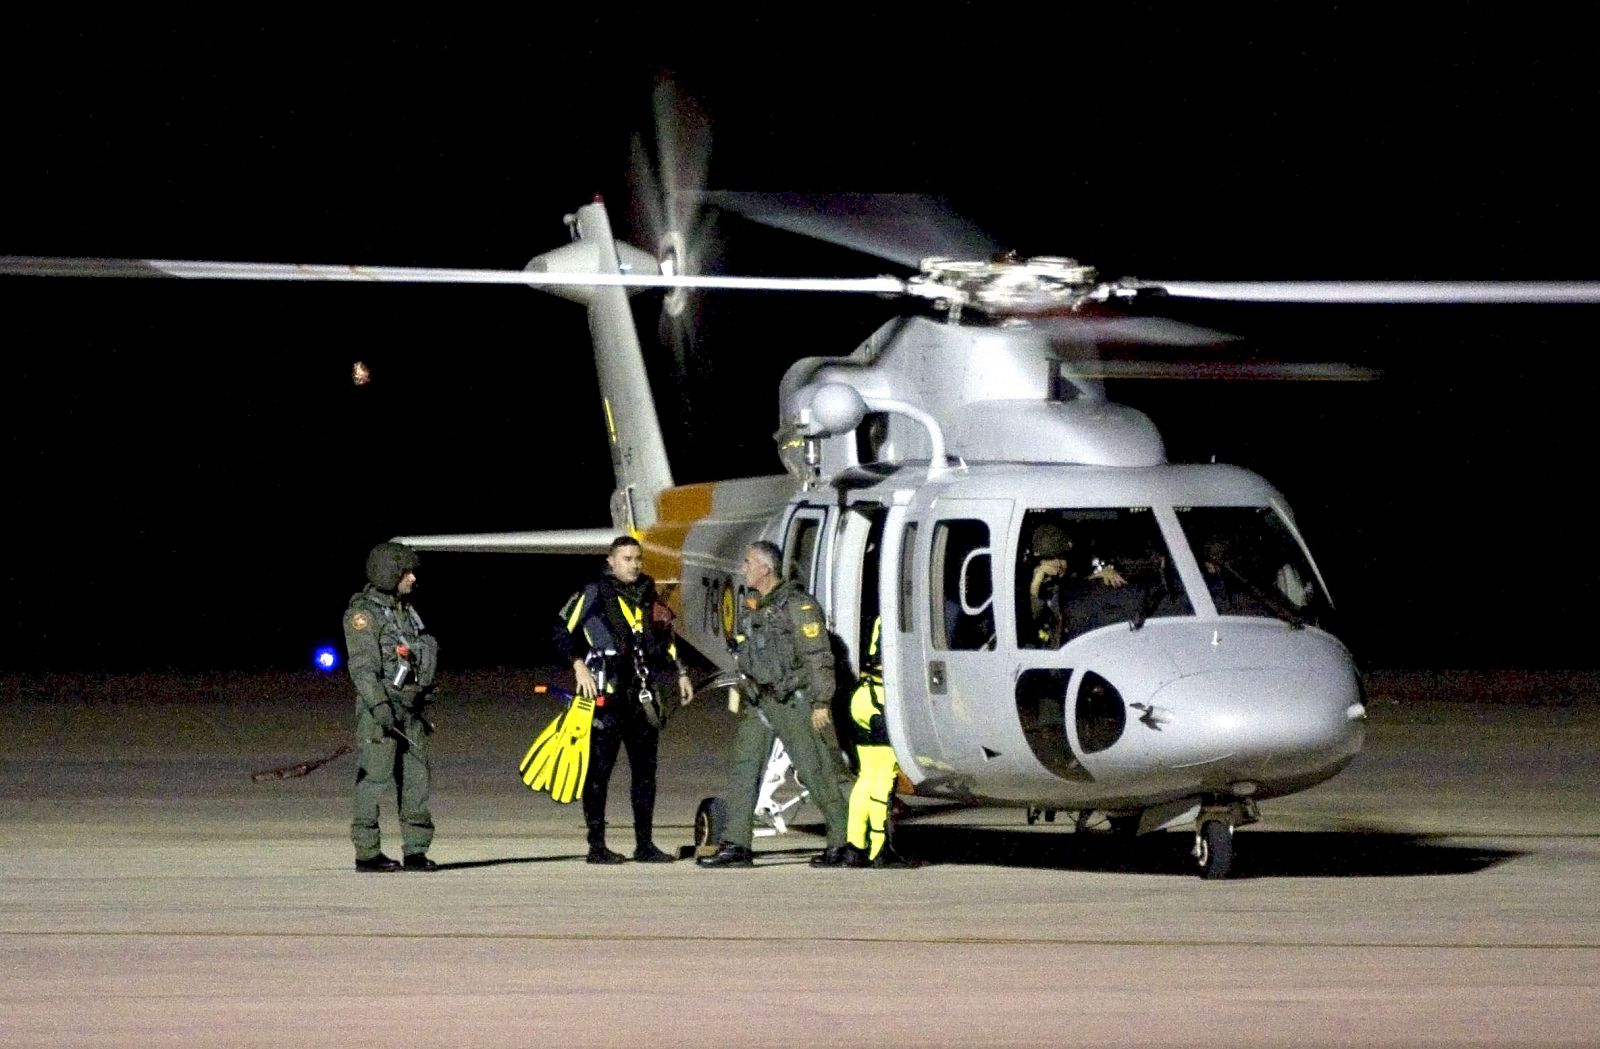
377	762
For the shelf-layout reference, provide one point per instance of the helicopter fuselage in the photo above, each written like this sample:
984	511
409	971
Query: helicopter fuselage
1204	675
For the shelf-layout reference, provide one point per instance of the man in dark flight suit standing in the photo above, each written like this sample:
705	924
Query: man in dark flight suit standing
393	661
785	649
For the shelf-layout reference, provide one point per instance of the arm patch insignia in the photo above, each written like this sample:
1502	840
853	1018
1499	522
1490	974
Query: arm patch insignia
359	621
811	629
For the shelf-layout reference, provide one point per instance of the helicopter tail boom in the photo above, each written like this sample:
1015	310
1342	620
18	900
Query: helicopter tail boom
633	431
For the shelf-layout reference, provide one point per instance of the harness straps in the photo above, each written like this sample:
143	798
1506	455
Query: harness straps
634	616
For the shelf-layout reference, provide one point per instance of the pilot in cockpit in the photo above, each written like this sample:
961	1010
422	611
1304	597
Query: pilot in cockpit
1052	588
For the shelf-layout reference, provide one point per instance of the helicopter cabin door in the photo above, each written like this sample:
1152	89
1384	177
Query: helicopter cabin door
802	547
946	670
853	604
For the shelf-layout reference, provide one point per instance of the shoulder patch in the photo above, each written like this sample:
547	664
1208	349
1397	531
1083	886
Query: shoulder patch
811	629
807	606
359	621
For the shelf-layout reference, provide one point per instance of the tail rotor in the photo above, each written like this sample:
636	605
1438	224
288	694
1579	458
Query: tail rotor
669	197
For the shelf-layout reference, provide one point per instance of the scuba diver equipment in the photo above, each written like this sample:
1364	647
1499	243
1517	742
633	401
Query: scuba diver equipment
558	759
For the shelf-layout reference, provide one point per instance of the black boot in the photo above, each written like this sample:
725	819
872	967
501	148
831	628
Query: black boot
648	853
601	854
854	857
418	861
379	864
888	859
728	855
832	856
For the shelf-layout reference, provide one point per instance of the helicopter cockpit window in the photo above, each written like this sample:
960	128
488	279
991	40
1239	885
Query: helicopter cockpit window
1080	569
1253	565
962	586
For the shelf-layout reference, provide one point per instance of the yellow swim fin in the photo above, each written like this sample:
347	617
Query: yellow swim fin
572	764
539	764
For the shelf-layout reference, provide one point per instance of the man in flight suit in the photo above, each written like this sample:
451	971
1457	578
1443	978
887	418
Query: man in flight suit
614	614
392	661
786	651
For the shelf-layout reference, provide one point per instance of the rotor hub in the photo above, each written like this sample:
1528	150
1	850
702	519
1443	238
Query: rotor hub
1007	284
672	254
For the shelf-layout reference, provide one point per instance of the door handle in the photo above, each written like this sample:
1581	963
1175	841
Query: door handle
936	683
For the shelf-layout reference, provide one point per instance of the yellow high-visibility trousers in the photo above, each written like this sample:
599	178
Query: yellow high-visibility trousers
869	799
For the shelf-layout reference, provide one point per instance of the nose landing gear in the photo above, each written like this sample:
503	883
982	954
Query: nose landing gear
1213	834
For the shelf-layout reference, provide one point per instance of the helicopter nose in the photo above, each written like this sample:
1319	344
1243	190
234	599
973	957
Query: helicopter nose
1263	726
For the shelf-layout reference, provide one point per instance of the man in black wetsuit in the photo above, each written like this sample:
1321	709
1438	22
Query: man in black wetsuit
608	632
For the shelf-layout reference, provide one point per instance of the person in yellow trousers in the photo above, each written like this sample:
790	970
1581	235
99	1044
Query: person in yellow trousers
868	824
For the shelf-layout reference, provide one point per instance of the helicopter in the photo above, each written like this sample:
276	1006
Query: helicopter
921	473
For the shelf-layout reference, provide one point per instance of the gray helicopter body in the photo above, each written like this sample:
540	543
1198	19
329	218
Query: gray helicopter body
1193	681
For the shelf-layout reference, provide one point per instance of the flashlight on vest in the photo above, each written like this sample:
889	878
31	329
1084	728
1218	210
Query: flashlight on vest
404	670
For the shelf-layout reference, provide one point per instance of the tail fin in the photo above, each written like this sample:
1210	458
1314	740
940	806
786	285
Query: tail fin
638	453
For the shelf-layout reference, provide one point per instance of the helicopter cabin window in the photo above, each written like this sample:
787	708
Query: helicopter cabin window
908	549
800	552
1081	569
1253	565
1042	712
961	586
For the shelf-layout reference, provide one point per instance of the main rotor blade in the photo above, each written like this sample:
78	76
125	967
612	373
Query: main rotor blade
1229	371
1376	291
900	227
28	266
1139	331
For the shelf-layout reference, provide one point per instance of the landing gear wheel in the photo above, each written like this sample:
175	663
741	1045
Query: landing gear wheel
710	823
1214	849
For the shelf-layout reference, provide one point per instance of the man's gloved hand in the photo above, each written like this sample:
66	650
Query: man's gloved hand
821	718
383	715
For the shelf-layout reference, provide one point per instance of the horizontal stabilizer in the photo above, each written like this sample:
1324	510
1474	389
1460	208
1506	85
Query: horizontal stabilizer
568	541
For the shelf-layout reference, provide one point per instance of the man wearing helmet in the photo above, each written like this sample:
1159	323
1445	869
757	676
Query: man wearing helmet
392	661
1052	589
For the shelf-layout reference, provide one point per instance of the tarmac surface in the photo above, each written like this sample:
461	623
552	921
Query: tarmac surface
1443	891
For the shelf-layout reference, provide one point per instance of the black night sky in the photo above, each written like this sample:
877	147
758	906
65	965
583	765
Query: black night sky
193	481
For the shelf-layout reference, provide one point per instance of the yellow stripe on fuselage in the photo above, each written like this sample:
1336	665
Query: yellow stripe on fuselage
678	510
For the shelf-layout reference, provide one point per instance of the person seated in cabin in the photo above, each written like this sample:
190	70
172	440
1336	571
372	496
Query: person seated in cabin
1241	585
1054	591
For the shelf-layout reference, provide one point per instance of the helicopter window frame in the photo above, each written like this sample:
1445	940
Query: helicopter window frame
802	541
953	550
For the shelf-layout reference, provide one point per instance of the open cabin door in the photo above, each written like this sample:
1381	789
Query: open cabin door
941	663
857	550
803	542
